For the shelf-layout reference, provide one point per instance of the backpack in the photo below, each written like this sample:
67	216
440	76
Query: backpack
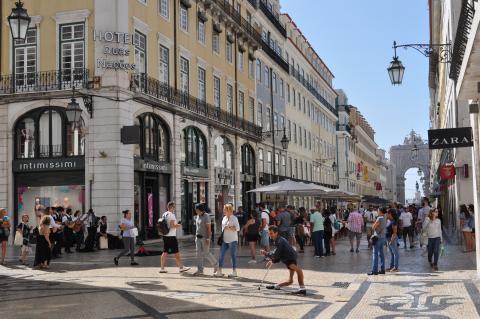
327	224
162	225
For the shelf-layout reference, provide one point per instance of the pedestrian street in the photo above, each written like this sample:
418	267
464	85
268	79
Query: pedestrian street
89	286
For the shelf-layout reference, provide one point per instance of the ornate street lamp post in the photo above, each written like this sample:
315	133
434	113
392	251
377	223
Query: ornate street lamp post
19	22
73	110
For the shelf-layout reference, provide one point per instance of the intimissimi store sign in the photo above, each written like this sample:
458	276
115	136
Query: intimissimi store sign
48	165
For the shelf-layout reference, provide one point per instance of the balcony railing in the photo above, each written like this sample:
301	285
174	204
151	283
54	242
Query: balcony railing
237	17
272	17
254	3
312	89
144	84
344	127
43	81
275	56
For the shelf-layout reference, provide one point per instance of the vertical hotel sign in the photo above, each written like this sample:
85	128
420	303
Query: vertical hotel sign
116	50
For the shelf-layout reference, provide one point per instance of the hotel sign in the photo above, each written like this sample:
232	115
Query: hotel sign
116	46
48	164
450	138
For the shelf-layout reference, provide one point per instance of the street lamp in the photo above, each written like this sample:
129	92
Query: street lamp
396	68
73	110
19	22
284	141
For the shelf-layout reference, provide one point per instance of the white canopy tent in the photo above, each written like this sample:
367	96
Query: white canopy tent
289	187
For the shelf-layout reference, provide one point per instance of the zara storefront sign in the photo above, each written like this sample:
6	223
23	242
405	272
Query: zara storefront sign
117	44
48	165
450	138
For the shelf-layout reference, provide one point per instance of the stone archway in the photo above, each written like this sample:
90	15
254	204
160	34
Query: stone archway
401	156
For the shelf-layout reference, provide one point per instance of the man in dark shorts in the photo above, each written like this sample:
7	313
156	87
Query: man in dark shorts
286	254
170	243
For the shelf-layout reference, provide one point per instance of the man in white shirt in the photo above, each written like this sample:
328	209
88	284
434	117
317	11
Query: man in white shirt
170	243
265	221
370	217
422	214
406	219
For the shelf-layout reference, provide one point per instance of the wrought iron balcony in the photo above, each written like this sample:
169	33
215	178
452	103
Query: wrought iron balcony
273	17
300	78
43	81
275	56
344	127
230	11
141	83
254	3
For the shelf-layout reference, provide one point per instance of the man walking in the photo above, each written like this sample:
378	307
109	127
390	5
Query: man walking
283	222
355	220
317	232
264	223
285	253
203	239
170	242
407	227
422	214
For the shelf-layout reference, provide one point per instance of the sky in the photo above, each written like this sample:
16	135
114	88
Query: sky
355	38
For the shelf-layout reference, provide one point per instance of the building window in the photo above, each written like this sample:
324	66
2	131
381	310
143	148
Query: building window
288	93
252	109
260	114
259	71
251	70
282	92
267	76
201	31
296	169
140	42
216	91
184	81
248	160
216	42
25	64
223	150
268	119
195	147
295	133
155	138
229	98
241	105
202	87
164	65
183	18
294	98
229	52
269	162
72	51
260	159
163	8
275	122
47	127
240	61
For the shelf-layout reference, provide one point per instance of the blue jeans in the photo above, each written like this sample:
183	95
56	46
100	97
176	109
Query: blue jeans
433	248
233	253
378	252
393	248
317	237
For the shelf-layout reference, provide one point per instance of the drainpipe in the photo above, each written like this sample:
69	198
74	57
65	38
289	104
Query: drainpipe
476	178
175	80
272	123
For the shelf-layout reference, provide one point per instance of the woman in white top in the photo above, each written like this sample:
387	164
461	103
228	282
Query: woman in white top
432	228
230	229
128	238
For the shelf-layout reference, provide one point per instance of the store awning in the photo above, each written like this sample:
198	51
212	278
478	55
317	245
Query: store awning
289	187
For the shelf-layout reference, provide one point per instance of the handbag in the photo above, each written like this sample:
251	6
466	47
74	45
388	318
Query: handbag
220	238
134	232
374	239
18	238
103	242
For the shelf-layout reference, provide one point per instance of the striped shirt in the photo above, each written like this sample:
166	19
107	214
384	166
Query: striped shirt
355	221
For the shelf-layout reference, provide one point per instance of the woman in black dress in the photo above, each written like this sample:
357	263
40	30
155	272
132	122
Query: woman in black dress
4	233
25	228
252	230
44	246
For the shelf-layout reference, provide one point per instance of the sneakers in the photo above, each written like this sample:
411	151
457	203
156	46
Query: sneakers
198	273
389	269
184	269
115	261
233	274
394	270
351	250
372	273
381	272
300	292
218	273
357	251
317	256
435	268
133	263
252	261
275	287
163	271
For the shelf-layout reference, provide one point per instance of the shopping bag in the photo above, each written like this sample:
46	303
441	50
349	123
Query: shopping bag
442	250
103	242
18	238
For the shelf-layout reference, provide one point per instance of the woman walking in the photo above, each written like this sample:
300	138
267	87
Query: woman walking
4	233
43	249
327	231
466	226
334	221
128	238
392	235
432	227
471	210
230	229
25	228
378	242
299	230
252	230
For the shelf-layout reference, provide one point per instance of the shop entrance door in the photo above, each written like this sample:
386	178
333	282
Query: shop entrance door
151	201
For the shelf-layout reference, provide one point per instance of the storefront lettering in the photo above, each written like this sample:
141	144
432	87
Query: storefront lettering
194	171
111	38
46	165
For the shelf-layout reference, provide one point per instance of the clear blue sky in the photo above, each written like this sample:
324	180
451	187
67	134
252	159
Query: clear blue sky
354	38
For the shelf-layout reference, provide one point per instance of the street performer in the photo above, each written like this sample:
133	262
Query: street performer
286	254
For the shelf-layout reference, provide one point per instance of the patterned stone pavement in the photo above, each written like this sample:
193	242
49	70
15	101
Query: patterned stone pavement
89	286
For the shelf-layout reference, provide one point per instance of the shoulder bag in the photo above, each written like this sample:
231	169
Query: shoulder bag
18	238
220	238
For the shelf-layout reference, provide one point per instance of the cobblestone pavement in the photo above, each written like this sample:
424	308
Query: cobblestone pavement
87	285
